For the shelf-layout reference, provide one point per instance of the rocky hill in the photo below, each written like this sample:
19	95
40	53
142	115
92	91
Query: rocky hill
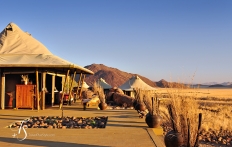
116	77
217	85
164	84
112	76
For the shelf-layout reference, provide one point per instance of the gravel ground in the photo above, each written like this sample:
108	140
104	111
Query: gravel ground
211	138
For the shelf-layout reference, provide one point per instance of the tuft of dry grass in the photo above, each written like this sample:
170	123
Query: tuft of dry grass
185	105
149	98
185	114
152	103
98	90
139	94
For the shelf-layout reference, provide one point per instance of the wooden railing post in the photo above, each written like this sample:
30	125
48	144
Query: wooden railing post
37	89
77	92
2	90
71	87
82	82
43	90
53	88
62	97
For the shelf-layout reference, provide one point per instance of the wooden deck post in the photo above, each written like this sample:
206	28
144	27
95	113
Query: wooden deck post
82	82
71	87
53	88
2	89
77	92
37	89
62	97
43	90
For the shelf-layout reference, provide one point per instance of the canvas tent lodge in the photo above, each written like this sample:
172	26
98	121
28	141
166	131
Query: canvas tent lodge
21	54
102	83
84	85
133	83
79	88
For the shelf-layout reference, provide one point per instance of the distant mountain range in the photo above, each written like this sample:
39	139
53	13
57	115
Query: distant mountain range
214	83
116	77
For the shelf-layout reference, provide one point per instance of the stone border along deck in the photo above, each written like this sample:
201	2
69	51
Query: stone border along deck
56	122
124	128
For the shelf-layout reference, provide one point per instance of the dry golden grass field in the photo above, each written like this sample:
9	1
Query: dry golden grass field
215	105
210	93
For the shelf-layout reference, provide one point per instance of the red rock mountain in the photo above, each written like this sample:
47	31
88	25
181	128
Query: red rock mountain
164	84
116	77
112	76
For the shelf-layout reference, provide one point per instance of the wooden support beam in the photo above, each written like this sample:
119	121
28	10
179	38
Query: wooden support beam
82	83
37	89
43	90
53	88
77	92
62	97
71	87
62	83
2	90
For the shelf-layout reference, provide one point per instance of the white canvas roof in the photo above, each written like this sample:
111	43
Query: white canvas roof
103	84
135	82
85	85
20	49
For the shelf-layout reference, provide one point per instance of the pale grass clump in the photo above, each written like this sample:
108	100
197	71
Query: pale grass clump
98	90
139	94
187	106
166	123
145	97
185	113
152	102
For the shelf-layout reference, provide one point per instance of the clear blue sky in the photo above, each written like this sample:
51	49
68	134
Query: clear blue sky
171	40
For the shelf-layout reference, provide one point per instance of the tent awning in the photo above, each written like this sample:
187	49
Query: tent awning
33	60
20	49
